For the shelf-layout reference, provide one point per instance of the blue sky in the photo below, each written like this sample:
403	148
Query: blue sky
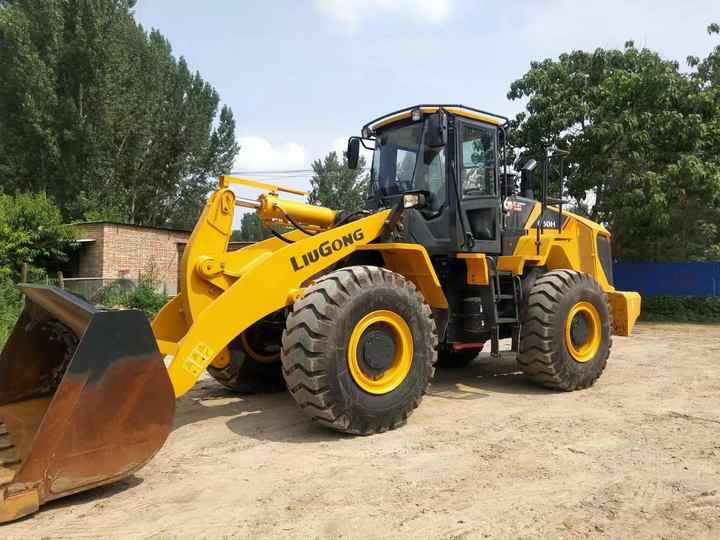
301	76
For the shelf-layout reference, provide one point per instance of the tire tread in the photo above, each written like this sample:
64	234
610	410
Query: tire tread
538	357
309	384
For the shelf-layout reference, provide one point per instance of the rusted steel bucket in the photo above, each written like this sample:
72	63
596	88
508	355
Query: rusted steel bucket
85	400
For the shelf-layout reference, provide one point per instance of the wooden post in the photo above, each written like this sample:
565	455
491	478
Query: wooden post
61	280
24	273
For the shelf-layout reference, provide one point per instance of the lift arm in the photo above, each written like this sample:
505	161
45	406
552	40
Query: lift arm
223	293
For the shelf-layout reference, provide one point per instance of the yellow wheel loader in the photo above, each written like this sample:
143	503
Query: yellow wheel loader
350	310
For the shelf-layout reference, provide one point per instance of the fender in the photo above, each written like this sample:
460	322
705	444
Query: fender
413	262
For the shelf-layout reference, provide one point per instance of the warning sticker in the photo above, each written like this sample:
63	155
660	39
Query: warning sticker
199	359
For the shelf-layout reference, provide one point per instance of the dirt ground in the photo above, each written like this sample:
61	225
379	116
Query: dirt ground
487	455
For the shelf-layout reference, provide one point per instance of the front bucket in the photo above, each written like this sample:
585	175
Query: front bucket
85	400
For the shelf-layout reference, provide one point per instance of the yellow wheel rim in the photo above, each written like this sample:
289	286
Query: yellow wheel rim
583	345
258	357
390	378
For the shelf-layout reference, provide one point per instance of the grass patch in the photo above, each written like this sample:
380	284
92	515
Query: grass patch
700	309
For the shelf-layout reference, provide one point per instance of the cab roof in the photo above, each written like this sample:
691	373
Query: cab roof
458	110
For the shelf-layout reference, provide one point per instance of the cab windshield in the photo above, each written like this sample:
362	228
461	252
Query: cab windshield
402	163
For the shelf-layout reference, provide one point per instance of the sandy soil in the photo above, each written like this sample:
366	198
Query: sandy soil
487	455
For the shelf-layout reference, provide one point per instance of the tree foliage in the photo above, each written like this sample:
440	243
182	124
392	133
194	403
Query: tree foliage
98	113
31	231
333	185
643	140
11	304
337	187
251	229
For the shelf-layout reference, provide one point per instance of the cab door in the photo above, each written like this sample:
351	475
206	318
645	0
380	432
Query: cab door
480	208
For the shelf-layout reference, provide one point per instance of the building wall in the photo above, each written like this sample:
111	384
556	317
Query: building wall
129	252
89	262
126	251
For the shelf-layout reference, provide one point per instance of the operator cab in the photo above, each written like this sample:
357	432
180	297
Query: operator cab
450	155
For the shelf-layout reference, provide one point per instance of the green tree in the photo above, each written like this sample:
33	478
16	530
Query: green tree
642	138
31	231
251	229
337	187
100	115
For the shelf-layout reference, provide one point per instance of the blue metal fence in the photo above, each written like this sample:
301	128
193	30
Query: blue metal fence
669	279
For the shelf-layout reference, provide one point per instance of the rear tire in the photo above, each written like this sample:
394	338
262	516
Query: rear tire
566	337
329	381
255	366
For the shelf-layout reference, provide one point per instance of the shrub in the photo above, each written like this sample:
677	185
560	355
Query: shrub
681	309
111	295
31	231
10	306
144	295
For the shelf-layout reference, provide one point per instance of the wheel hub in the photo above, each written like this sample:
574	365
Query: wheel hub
376	350
579	330
380	352
583	331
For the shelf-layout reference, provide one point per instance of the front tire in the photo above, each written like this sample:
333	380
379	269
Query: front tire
566	338
359	350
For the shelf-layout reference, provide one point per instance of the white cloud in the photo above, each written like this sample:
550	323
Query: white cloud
350	14
259	154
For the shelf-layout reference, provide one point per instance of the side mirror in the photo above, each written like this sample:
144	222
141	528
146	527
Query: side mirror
436	130
353	152
527	180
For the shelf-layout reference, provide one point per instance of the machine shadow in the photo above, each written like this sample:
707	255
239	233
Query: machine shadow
275	417
482	378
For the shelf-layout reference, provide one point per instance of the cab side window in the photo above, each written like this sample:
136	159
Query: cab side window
479	154
430	176
436	181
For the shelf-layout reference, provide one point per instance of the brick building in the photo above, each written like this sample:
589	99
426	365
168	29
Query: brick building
113	251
